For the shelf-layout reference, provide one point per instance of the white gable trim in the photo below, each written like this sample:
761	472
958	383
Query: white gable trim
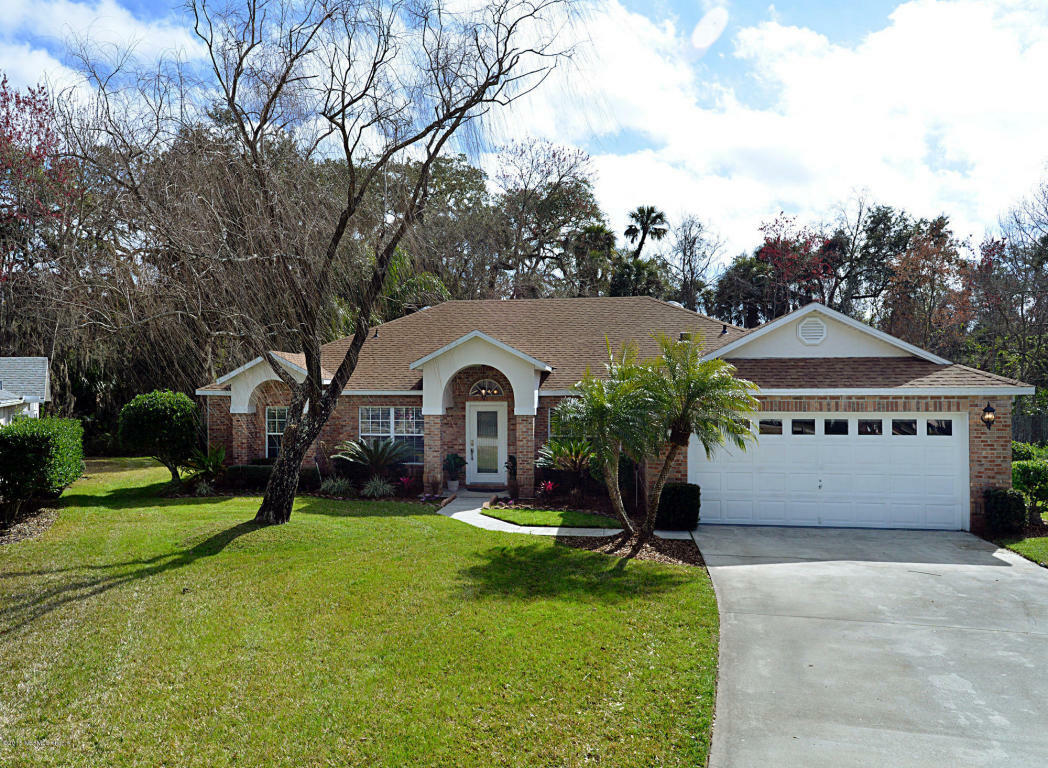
490	340
259	361
835	315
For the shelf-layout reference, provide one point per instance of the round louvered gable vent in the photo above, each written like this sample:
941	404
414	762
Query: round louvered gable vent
811	330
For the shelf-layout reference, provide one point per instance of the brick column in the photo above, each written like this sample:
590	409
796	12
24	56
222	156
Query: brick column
989	453
241	434
525	426
432	472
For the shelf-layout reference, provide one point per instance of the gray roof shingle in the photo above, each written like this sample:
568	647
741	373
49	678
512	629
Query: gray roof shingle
29	377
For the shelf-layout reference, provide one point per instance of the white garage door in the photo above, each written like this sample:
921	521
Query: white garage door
833	469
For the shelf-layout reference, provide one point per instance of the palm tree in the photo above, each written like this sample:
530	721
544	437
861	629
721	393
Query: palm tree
694	397
615	415
646	221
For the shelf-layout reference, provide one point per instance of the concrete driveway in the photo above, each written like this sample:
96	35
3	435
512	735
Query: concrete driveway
876	648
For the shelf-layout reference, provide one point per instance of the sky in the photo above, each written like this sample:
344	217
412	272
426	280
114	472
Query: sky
733	110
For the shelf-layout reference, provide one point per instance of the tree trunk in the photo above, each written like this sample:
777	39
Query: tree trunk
611	480
656	492
176	479
283	485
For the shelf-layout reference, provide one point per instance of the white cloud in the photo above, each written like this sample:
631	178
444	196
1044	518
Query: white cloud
48	24
938	111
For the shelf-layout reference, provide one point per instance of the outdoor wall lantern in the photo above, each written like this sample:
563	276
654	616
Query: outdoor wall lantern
988	415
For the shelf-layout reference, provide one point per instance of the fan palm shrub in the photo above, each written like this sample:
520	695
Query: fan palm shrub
615	412
692	396
378	456
573	456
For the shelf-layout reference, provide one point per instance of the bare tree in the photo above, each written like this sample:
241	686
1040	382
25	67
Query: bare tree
545	197
692	252
283	175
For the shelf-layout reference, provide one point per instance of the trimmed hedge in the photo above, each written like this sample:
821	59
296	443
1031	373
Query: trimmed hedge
254	477
1031	477
1023	451
38	458
1005	510
678	507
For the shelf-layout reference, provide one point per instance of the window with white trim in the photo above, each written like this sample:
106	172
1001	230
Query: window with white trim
402	424
276	422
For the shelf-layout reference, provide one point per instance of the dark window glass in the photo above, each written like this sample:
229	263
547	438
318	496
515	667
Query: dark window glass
940	426
804	426
904	426
771	426
835	426
871	427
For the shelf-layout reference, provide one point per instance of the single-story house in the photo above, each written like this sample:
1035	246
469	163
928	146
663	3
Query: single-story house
25	384
856	427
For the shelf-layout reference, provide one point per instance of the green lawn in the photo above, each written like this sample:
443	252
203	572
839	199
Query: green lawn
170	632
1035	548
552	517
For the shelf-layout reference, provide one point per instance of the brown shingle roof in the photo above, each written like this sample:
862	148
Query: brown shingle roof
567	334
863	372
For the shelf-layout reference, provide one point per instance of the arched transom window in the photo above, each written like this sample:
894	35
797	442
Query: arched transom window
485	388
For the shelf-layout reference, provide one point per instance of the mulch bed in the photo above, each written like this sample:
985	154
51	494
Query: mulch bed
671	551
29	526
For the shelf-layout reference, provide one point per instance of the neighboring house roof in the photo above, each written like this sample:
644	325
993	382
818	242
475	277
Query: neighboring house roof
857	373
29	377
8	399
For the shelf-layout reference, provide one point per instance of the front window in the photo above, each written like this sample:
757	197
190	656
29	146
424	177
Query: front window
276	422
402	424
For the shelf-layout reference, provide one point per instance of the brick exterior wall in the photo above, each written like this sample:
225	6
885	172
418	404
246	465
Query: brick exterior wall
525	432
243	435
990	454
433	469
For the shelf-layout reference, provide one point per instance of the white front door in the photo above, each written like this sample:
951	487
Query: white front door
486	443
870	470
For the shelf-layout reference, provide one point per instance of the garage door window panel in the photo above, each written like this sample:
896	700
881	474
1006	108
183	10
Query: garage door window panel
904	427
940	427
835	426
771	426
871	427
803	426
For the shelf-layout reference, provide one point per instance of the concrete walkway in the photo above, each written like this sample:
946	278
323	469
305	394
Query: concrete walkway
466	507
876	648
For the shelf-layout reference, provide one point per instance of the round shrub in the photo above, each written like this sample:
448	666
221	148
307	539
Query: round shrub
1005	510
161	424
678	507
1023	451
1031	477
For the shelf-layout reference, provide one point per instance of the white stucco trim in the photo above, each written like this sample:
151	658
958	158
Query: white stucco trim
491	340
523	372
835	315
214	393
907	391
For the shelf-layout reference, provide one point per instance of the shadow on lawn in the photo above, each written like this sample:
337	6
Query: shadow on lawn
541	571
23	609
